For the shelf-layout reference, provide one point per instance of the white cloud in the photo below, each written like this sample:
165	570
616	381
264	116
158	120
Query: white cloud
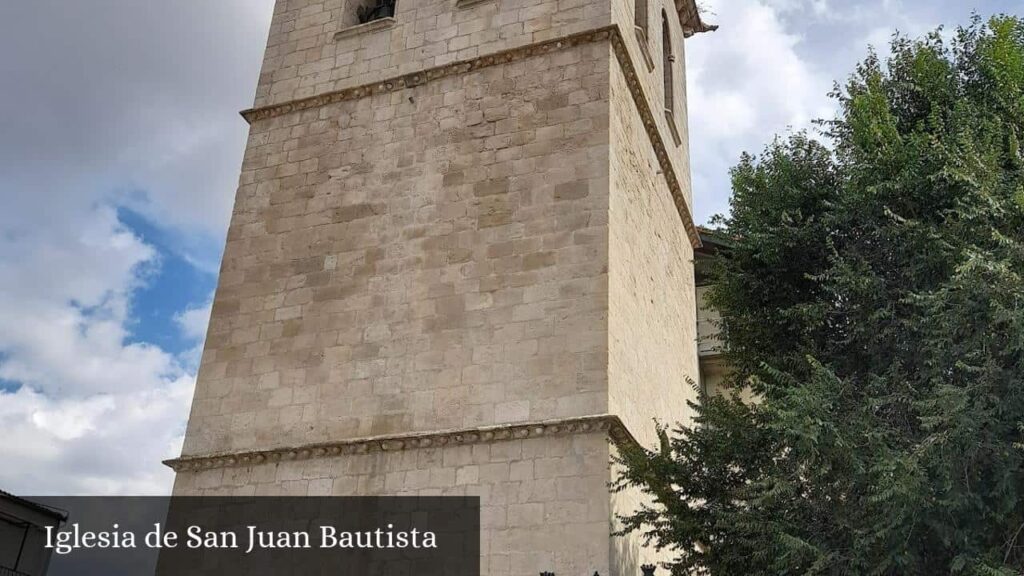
95	414
745	83
150	104
142	114
106	444
770	67
193	322
63	308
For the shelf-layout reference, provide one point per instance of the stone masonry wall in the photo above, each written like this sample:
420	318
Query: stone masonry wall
651	78
544	500
493	247
428	259
304	59
652	308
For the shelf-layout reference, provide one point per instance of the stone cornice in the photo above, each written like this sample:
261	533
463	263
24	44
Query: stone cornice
609	424
643	106
689	17
609	33
365	28
469	3
430	74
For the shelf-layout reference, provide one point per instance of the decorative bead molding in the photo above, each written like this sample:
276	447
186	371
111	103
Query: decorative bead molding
377	444
610	33
366	28
428	75
654	134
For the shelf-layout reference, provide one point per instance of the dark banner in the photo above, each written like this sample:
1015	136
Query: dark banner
365	536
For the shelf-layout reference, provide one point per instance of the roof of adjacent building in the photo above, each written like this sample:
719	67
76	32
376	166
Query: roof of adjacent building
689	16
712	242
45	510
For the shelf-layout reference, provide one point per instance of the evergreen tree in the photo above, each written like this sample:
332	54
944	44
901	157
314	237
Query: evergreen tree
874	300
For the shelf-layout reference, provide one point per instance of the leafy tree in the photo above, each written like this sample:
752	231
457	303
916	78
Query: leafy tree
874	300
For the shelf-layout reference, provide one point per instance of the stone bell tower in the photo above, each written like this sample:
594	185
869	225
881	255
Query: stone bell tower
460	260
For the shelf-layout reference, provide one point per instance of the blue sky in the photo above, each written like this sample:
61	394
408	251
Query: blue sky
171	283
120	147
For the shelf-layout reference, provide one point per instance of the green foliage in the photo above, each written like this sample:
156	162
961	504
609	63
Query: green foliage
874	300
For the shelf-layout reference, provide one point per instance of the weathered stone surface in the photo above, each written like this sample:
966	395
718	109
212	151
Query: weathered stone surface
498	245
303	58
392	302
545	505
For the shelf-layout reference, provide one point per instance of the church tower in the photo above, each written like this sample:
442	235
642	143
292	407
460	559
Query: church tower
460	262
